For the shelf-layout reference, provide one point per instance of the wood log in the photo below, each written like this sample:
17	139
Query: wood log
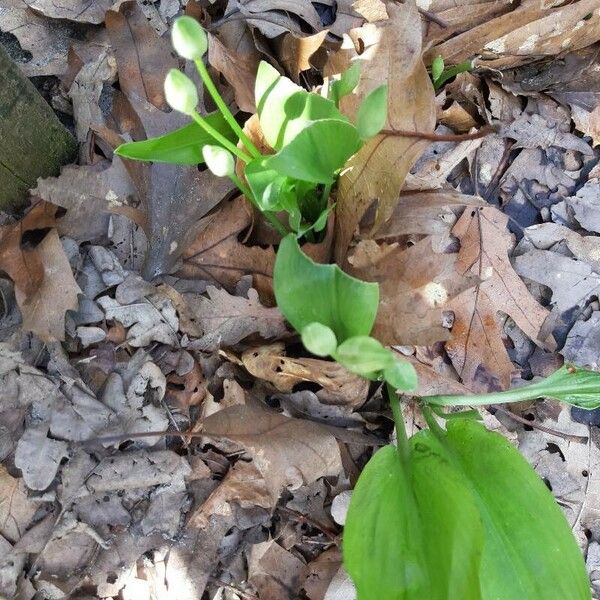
33	142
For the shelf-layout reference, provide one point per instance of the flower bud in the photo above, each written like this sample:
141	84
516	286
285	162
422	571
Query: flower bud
189	38
219	161
181	92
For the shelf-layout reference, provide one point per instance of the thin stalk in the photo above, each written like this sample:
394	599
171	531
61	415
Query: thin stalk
220	138
277	224
214	93
528	392
401	437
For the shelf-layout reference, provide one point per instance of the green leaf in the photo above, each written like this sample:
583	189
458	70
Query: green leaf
579	387
401	375
319	339
364	355
437	68
413	531
372	113
529	549
181	147
285	109
267	185
346	83
307	292
317	152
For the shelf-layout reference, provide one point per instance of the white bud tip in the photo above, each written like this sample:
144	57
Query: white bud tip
189	38
219	161
180	92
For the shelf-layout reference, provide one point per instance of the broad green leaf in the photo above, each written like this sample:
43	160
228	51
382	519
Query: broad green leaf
437	68
372	113
413	531
319	339
285	109
346	83
364	355
317	152
267	185
180	147
307	292
529	549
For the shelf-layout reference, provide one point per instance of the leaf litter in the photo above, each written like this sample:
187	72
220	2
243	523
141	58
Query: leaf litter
485	250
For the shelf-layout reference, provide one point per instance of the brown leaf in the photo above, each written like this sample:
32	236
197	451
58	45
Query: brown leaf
294	52
235	56
44	310
477	349
226	320
340	386
415	285
377	172
285	451
216	254
143	58
20	260
16	509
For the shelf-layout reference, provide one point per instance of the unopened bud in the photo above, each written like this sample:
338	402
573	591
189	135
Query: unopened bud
189	38
219	161
181	92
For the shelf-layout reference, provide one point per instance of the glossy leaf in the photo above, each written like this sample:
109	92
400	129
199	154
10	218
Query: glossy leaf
307	292
268	186
372	113
413	531
182	146
285	109
529	550
317	152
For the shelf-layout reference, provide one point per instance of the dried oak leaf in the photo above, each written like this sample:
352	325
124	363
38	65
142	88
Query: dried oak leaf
286	452
412	300
44	310
216	254
226	320
392	53
295	52
81	11
143	58
340	386
477	349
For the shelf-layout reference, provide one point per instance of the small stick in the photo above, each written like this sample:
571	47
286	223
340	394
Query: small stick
433	18
434	137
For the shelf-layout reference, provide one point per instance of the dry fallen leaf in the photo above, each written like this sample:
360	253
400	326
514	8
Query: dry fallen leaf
81	11
392	53
226	320
16	509
287	452
143	58
477	349
295	52
44	310
340	386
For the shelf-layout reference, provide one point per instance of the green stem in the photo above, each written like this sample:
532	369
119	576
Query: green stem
220	138
401	437
533	391
212	90
277	224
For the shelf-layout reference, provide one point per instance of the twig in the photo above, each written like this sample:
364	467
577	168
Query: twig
433	18
434	137
532	424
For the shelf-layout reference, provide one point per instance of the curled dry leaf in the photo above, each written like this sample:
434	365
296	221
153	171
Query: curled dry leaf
226	320
340	386
286	452
392	53
477	349
295	52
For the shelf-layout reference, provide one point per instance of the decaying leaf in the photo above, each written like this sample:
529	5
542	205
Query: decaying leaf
476	349
16	509
295	52
143	58
216	254
81	11
391	51
226	320
340	386
287	452
44	310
